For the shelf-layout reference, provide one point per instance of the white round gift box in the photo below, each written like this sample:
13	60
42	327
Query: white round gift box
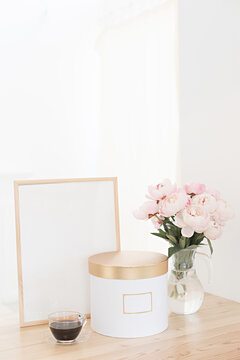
128	293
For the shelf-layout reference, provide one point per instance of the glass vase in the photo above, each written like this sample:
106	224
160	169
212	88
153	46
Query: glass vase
185	290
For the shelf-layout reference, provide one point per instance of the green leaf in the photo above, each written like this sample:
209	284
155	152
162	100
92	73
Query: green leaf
173	230
171	242
198	242
192	239
210	245
165	227
179	231
182	242
196	239
187	242
172	238
162	233
199	236
172	250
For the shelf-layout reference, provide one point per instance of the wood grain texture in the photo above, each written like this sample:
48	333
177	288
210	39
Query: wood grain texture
211	334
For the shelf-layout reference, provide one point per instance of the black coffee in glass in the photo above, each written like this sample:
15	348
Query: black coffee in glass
66	330
66	325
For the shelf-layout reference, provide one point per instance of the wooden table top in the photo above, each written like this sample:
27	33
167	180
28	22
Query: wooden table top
211	333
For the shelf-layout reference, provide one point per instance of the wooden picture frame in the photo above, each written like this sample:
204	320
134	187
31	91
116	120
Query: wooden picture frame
24	223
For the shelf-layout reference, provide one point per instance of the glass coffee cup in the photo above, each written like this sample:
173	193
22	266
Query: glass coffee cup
66	325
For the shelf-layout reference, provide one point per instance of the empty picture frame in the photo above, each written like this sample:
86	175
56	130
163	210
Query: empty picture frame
59	224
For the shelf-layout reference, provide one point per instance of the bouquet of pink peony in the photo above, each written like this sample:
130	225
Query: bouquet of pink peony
185	216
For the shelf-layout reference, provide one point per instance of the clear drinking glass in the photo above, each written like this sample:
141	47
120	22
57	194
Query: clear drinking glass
185	291
66	325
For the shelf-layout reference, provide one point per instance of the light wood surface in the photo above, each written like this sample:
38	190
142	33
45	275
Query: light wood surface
210	334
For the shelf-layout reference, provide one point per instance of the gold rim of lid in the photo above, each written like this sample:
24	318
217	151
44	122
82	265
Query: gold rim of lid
128	265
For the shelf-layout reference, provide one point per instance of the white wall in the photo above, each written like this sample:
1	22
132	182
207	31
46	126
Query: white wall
51	114
209	54
139	119
46	112
77	101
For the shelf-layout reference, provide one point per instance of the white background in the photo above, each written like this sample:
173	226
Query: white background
209	49
57	237
87	90
84	94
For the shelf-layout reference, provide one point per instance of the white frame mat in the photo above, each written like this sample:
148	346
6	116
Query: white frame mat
59	223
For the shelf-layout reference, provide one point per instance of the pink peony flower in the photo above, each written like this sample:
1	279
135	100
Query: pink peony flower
172	204
187	231
158	192
196	217
205	200
146	210
179	220
157	223
194	188
223	212
193	208
189	201
214	193
213	231
215	217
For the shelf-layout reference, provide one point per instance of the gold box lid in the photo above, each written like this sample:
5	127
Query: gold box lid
128	265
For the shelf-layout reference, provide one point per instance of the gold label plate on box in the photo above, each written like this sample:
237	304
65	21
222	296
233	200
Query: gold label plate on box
126	306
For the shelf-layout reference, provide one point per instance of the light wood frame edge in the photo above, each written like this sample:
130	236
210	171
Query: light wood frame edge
18	233
19	255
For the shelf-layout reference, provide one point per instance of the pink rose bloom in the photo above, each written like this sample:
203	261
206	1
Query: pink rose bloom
213	231
146	210
205	200
196	217
173	204
194	188
224	212
158	192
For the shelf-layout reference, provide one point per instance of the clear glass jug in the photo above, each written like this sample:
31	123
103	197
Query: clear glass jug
185	291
